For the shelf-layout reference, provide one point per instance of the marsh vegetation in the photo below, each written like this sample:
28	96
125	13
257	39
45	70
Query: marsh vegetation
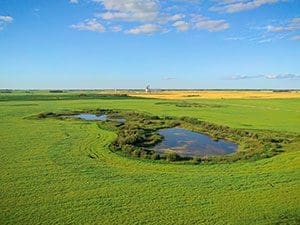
141	135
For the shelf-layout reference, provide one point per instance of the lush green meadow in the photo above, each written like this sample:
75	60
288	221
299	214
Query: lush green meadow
48	178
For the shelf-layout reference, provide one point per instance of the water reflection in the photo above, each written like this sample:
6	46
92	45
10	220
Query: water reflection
188	143
89	116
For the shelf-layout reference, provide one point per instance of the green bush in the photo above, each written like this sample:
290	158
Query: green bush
155	156
196	160
137	153
172	156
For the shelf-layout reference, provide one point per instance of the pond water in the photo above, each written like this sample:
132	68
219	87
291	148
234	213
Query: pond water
188	143
89	116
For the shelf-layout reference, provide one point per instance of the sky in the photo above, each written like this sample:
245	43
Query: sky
100	44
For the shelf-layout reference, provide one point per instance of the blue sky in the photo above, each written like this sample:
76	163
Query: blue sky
168	44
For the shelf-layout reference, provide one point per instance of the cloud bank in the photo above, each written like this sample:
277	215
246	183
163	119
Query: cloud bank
266	76
89	25
146	17
292	25
234	6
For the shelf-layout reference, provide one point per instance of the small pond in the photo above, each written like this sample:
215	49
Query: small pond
89	116
188	143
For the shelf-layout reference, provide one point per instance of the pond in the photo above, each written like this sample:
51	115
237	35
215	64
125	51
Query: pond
187	143
89	116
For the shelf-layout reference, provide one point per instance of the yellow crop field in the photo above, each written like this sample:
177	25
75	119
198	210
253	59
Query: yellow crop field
217	94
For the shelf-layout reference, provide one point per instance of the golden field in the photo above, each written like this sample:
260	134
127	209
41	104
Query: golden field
217	94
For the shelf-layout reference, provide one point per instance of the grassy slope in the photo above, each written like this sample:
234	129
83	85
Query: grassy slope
47	176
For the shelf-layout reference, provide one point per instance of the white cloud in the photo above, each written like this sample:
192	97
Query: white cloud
181	25
175	17
243	77
209	24
73	1
145	11
168	78
284	29
148	16
292	25
7	19
232	6
234	38
266	40
296	38
282	76
4	20
116	28
144	29
89	25
164	18
266	76
130	10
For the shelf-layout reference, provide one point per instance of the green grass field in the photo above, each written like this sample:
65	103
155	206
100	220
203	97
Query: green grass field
48	178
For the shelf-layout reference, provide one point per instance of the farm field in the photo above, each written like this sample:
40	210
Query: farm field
219	94
48	178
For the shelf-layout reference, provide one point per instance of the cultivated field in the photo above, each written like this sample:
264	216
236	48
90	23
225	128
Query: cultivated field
218	94
47	176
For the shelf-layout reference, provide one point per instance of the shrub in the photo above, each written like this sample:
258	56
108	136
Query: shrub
190	120
45	115
137	153
128	149
155	156
56	91
172	156
196	160
144	154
